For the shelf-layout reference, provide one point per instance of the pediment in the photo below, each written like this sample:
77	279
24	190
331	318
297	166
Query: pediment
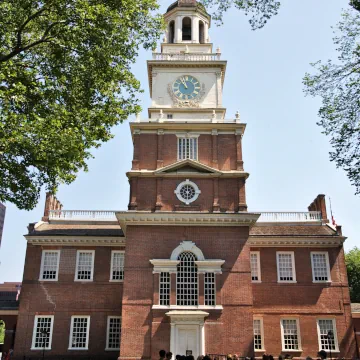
187	167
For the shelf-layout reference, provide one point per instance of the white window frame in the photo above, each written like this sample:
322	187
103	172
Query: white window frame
42	265
298	334
92	265
72	329
327	266
34	332
178	193
262	334
160	290
334	330
293	267
108	333
112	263
188	137
257	253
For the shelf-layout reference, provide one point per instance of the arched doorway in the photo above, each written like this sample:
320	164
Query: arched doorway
186	29
201	32
172	32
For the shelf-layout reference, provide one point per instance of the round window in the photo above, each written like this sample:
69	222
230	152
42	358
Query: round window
187	192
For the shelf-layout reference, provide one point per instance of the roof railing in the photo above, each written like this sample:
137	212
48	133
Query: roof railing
109	215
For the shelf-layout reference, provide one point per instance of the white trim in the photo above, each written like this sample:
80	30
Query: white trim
293	267
164	265
334	330
291	241
187	307
257	253
298	334
261	333
42	265
75	240
108	331
112	263
92	265
209	266
187	246
36	318
72	329
326	253
181	185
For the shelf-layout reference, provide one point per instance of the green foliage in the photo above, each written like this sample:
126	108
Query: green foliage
352	259
261	10
65	81
339	87
2	331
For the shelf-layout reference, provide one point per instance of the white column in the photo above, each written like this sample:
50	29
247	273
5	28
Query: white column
206	32
202	339
172	340
195	29
178	29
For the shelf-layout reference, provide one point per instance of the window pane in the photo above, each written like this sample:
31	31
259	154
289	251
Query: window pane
79	333
254	262
117	271
42	333
285	267
320	267
324	327
50	265
257	335
187	280
84	269
291	341
210	289
114	333
164	288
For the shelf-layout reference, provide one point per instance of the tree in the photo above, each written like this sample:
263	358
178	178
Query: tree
261	10
352	260
338	84
65	81
2	331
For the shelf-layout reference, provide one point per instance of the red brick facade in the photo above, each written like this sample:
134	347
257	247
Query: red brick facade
247	271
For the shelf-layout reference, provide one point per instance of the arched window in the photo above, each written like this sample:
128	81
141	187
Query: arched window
172	32
187	280
186	28
201	33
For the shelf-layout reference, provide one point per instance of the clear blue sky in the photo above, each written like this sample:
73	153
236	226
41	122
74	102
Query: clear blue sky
284	150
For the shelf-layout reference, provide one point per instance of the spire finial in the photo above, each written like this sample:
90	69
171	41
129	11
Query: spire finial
237	117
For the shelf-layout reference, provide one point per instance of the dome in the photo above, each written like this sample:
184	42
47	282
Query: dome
187	3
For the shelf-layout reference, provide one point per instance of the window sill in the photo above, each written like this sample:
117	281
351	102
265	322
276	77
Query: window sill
184	307
337	351
46	280
292	351
116	281
39	349
259	350
287	282
78	349
107	349
322	282
83	280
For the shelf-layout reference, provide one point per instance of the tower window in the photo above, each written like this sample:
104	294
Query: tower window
164	294
201	33
169	116
187	280
210	289
187	148
172	32
186	29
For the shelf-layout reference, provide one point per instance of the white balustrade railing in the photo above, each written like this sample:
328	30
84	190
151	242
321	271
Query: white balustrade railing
85	215
290	216
109	215
186	57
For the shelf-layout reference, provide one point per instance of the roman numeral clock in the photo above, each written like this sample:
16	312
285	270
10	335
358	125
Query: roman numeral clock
186	91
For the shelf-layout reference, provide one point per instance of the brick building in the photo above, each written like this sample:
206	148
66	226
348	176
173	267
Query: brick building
2	219
187	268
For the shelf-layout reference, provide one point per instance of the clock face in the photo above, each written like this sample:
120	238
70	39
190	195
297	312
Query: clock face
186	87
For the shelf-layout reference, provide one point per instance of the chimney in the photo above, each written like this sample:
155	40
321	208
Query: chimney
319	204
51	203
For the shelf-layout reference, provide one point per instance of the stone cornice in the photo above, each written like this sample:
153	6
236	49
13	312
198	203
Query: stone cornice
164	265
76	240
298	241
213	266
148	218
222	174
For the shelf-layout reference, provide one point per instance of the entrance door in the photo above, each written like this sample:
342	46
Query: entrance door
188	341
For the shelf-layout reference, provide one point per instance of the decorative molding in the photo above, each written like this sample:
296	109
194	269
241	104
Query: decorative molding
187	316
290	241
131	217
180	307
164	265
187	246
213	266
217	174
76	240
187	162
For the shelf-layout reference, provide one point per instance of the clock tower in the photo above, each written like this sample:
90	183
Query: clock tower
187	225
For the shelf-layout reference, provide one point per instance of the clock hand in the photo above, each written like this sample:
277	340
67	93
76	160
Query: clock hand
184	82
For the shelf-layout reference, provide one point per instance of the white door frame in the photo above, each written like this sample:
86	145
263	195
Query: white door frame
187	319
